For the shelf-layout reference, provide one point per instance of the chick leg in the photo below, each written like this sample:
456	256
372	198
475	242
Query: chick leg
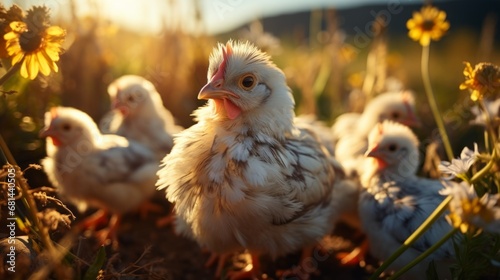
220	259
149	207
251	271
109	234
356	256
165	220
94	220
305	268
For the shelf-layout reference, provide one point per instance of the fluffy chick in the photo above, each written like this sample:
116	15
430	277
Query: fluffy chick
395	201
244	177
138	114
107	172
351	130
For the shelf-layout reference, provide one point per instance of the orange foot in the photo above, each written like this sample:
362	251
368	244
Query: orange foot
355	257
149	207
302	271
109	234
220	259
165	220
100	217
251	271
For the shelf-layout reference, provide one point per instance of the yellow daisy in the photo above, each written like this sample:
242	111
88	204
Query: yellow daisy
470	213
483	80
429	23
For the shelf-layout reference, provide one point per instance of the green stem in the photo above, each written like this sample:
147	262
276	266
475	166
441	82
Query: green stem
6	152
432	102
11	72
413	237
423	255
486	168
486	140
489	131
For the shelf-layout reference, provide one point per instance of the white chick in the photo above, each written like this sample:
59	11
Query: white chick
395	202
244	177
138	114
107	172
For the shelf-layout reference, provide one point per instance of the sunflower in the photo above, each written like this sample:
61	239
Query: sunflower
427	24
14	13
482	80
37	46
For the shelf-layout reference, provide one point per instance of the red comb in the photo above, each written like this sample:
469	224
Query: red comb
407	97
380	132
226	52
380	128
53	112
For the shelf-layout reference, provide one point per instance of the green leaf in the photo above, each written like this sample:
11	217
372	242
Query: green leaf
94	268
431	273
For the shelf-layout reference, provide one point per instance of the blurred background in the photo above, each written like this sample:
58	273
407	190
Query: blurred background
336	54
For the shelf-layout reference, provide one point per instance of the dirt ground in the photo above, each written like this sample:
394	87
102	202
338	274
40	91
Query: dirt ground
148	252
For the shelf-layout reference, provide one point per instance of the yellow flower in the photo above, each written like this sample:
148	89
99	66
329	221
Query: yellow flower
14	13
429	23
33	44
40	51
483	80
470	213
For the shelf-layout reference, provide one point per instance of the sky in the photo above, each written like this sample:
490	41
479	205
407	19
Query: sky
217	15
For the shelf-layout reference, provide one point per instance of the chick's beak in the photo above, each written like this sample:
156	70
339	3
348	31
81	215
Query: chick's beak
375	153
372	152
215	90
46	132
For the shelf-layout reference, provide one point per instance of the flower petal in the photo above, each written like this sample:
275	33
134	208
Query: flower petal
43	62
24	71
55	31
32	66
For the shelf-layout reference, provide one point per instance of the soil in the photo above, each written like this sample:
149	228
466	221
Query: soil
145	251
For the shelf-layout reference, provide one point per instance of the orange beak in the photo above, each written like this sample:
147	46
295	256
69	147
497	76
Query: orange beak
46	132
372	152
375	153
120	106
214	90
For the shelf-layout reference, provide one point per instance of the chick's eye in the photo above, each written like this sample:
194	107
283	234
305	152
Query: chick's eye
395	115
392	147
130	98
247	82
66	127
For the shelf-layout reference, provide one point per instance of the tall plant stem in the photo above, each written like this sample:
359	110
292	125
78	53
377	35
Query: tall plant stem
432	102
424	255
11	72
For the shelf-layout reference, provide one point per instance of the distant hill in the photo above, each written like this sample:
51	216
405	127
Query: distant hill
460	13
